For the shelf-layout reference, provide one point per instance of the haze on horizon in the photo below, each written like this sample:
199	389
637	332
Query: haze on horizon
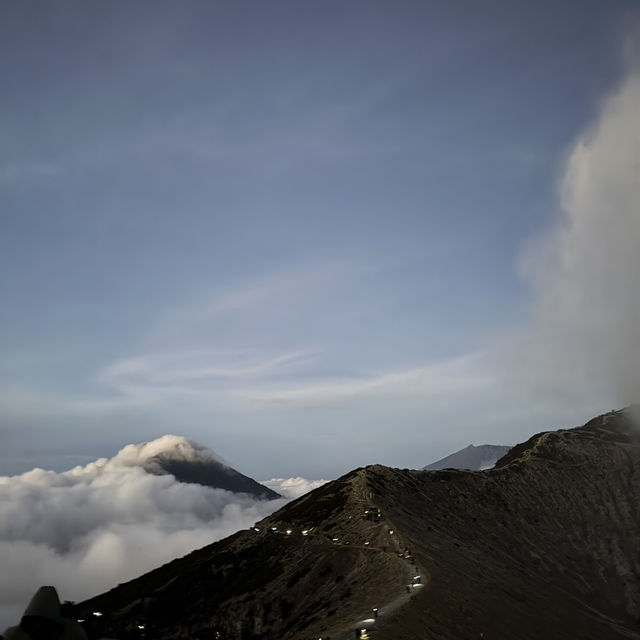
314	235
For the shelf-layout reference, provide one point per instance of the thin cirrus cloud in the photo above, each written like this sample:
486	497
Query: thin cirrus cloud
287	288
446	378
197	366
153	380
156	379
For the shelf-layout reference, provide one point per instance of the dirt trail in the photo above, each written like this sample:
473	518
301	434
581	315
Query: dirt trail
368	621
415	579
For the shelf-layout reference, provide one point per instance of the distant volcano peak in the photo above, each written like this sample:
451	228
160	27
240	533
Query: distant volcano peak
168	447
474	457
191	463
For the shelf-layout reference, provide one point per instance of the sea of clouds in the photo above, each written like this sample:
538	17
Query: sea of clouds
87	529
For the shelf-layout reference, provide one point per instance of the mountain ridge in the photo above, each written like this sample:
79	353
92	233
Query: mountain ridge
543	545
472	457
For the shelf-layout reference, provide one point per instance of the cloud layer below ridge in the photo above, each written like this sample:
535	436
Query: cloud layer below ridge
89	528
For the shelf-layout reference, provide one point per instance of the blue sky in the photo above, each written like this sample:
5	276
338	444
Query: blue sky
297	232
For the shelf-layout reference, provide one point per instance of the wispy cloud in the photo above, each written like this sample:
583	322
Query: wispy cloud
193	372
295	286
153	380
282	380
447	377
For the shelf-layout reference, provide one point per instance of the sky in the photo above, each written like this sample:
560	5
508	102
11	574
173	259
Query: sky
314	235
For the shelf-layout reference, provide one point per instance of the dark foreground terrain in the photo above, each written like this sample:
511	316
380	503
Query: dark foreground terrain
544	546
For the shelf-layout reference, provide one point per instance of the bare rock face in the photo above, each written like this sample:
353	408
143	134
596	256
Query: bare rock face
545	545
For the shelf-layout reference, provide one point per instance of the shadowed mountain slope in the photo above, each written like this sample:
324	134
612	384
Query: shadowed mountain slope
473	457
545	545
193	463
211	474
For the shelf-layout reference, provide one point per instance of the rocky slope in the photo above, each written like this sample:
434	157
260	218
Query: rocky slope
545	545
473	457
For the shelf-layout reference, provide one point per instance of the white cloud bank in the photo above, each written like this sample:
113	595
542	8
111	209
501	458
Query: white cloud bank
584	334
580	347
90	528
293	488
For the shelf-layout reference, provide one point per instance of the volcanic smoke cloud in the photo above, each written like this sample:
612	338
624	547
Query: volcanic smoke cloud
584	336
90	528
